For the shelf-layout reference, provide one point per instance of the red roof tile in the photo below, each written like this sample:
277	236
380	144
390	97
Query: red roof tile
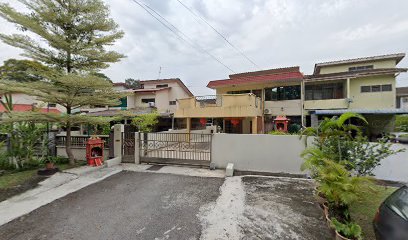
283	76
29	107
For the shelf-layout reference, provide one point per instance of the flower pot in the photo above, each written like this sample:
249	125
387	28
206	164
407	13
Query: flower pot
49	165
340	237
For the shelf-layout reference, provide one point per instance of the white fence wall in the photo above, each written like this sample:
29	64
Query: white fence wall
394	168
258	152
281	154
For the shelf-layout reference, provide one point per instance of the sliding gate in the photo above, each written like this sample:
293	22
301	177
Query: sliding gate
175	148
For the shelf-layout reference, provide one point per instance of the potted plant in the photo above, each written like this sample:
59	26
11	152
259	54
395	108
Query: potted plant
346	231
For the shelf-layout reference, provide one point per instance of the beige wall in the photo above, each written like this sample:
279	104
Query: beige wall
372	100
326	104
287	108
344	67
79	153
240	105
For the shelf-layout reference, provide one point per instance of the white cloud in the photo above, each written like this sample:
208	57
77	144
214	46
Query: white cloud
273	33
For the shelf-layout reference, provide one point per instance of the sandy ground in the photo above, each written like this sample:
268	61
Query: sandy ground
153	205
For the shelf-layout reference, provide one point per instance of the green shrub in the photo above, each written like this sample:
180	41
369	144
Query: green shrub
274	132
349	230
401	120
294	128
56	160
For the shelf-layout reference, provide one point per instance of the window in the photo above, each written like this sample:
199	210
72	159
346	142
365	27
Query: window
282	93
324	91
52	105
162	85
172	103
147	100
377	88
365	89
386	88
141	86
360	68
239	92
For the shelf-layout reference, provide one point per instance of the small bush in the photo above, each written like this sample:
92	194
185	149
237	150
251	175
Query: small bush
57	160
294	128
274	132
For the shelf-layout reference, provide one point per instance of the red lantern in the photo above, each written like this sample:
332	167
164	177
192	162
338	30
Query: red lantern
203	121
235	122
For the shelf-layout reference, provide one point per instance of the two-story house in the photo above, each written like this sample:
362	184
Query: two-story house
362	85
247	102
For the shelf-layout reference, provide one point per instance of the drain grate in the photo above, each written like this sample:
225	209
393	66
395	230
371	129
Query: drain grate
155	167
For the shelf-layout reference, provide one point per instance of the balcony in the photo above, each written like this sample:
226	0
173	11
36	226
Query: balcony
219	106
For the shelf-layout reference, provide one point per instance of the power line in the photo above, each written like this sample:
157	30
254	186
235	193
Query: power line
188	41
220	34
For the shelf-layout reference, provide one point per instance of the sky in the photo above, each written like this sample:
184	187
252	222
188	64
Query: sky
271	33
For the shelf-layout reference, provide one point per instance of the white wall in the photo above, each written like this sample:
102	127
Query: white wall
394	168
281	154
79	153
258	152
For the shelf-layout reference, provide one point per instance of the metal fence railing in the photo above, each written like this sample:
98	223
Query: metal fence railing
80	141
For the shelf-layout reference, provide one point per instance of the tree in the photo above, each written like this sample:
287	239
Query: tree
74	35
132	83
21	70
146	122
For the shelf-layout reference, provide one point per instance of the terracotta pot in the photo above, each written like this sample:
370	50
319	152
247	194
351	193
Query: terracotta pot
340	237
49	165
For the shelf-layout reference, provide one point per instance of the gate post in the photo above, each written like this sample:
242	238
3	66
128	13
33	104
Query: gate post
118	129
137	146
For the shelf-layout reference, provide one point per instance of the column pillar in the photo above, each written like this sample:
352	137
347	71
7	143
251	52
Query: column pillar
254	125
118	129
188	129
137	148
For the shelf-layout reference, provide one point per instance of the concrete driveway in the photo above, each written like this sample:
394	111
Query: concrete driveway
144	205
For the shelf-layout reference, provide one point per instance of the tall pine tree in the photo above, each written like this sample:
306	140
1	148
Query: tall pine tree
70	37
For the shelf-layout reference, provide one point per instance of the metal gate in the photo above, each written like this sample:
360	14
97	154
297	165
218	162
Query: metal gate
128	147
175	148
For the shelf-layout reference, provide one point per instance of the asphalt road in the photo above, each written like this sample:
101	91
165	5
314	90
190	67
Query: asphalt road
128	205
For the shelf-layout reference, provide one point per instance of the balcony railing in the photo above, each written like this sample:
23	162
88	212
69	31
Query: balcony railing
209	100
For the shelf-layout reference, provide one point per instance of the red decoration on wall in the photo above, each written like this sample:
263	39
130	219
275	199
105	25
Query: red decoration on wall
235	122
203	121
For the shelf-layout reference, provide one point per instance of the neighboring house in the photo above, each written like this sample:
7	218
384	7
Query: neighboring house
23	103
153	95
402	97
362	85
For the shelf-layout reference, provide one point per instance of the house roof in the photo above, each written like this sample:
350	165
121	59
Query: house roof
120	84
29	107
397	56
363	73
290	74
169	80
402	91
147	90
115	112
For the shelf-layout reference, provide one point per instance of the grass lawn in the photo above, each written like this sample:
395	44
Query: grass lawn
363	212
12	179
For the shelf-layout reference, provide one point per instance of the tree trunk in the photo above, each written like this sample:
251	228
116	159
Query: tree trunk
68	140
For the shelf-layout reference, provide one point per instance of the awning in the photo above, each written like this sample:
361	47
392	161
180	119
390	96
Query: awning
361	111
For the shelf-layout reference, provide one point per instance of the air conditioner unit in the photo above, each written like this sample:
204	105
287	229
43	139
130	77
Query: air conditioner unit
152	104
266	111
